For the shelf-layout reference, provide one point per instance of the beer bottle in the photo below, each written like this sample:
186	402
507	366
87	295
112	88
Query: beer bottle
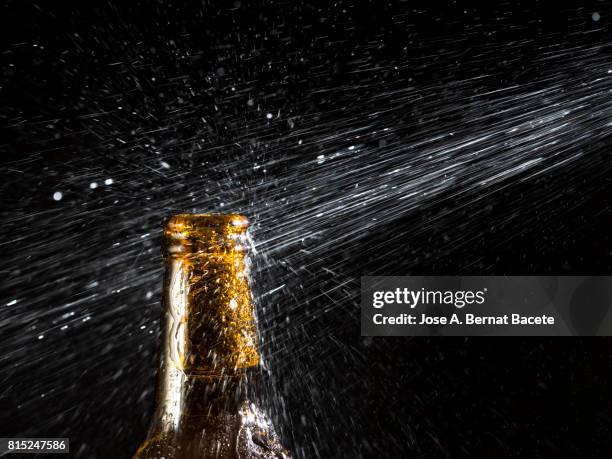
210	350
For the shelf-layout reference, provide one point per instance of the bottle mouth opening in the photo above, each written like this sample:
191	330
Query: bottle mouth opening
189	233
194	222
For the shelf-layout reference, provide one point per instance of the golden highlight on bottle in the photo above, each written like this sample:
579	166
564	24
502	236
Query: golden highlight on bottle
210	350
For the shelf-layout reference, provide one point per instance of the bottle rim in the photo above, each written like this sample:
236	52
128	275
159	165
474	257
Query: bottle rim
207	220
197	233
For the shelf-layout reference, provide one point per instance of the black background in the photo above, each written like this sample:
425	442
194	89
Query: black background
335	394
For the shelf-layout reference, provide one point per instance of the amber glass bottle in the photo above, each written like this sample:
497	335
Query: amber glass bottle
210	350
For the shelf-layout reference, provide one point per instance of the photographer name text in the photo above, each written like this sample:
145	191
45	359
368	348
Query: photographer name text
468	319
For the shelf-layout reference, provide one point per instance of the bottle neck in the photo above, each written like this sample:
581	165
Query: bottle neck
210	339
